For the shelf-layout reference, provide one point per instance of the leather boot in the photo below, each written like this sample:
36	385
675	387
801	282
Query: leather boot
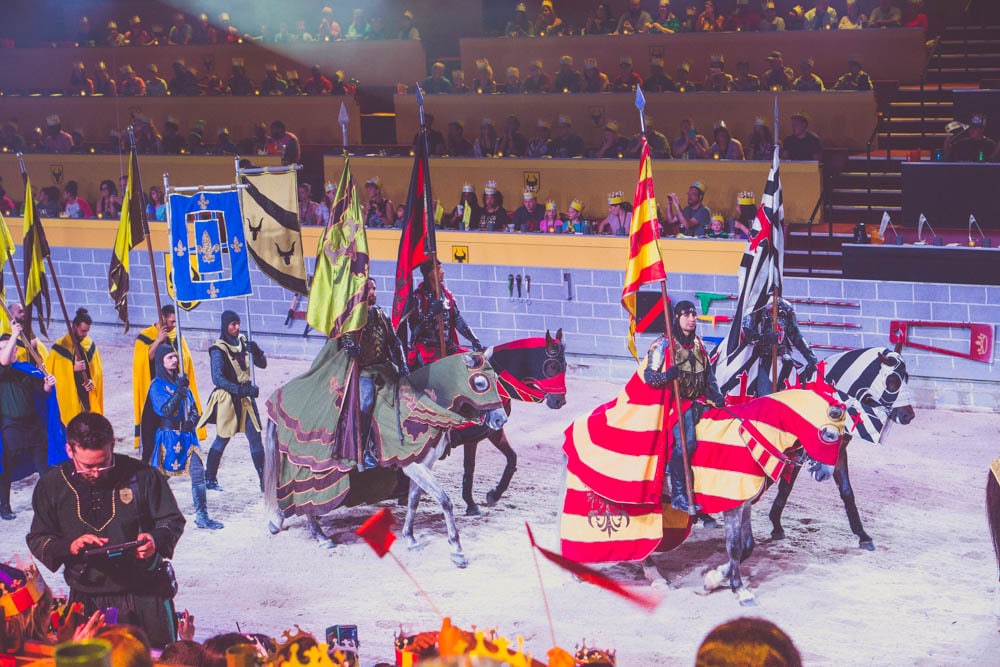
6	513
212	470
201	518
678	489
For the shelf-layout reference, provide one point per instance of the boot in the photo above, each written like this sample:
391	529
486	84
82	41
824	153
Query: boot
678	490
202	520
6	513
212	470
260	478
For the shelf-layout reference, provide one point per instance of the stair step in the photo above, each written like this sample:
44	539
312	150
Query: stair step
879	165
803	272
962	60
857	208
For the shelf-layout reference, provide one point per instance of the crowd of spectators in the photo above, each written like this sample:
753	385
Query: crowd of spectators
689	16
184	29
775	75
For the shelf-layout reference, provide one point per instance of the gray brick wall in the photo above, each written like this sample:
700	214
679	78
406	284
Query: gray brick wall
592	320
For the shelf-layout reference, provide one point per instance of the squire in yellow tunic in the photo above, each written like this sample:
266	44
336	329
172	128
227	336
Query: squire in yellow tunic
69	384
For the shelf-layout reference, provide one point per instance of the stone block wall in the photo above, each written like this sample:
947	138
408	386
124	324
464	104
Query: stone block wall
587	308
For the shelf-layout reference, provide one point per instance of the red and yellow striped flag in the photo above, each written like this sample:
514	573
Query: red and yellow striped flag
645	265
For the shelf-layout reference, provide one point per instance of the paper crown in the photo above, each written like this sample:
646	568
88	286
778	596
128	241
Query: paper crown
576	205
566	60
625	60
656	61
486	121
590	655
719	217
617	197
530	194
270	67
292	75
565	120
590	63
490	188
536	64
612	125
551	206
482	63
698	185
19	589
544	123
747	199
513	71
374	181
468	187
52	120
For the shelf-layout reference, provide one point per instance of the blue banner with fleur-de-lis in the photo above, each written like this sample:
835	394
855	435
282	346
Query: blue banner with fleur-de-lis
207	238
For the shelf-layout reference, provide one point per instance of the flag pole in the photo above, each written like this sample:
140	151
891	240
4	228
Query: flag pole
429	219
144	219
77	347
170	249
25	335
246	298
31	349
775	292
640	104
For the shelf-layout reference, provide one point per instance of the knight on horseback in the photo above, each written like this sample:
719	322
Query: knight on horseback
425	343
690	366
760	331
381	361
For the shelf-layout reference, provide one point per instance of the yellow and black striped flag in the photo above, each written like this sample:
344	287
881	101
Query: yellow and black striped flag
36	250
130	234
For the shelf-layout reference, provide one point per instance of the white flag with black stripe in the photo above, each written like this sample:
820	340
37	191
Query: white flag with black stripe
760	274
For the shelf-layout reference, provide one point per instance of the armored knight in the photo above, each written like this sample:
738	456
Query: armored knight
689	365
759	330
381	360
425	338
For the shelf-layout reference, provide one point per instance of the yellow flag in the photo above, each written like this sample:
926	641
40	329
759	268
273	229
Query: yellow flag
36	249
6	255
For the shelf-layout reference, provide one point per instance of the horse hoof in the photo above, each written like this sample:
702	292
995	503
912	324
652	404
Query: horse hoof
472	510
714	579
414	546
777	534
867	545
491	498
746	598
327	543
273	528
459	561
709	521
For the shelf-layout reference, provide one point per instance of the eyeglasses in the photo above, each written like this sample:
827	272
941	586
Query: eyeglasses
92	469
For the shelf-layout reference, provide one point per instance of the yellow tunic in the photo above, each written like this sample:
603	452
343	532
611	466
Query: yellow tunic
142	374
60	364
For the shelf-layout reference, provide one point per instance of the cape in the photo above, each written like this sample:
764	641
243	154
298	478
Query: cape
60	364
142	374
47	406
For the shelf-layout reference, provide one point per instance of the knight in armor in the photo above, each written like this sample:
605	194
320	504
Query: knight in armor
231	406
381	361
425	342
759	330
689	364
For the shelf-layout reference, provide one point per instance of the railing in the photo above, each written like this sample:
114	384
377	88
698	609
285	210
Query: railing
923	78
868	166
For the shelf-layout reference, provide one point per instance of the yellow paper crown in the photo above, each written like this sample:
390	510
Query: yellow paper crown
747	199
491	187
551	206
468	187
617	197
576	205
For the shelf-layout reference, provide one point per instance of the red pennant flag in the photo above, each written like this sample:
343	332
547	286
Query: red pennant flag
377	531
592	576
417	241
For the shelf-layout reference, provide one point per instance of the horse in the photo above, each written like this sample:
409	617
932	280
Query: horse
311	469
615	471
874	381
528	369
993	515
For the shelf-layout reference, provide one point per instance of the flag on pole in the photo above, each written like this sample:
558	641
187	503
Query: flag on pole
337	299
7	251
36	249
759	277
208	246
377	531
168	266
130	234
273	231
417	241
645	264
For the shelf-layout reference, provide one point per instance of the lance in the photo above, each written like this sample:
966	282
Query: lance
431	242
344	119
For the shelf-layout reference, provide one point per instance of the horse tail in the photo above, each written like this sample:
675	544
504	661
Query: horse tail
993	512
272	463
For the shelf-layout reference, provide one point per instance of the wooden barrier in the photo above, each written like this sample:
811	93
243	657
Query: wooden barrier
719	257
312	119
373	63
89	170
887	54
590	180
841	119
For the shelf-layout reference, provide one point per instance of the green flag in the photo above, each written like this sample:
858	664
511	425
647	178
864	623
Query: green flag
337	299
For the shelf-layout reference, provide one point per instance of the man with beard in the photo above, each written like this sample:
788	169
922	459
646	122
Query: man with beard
98	499
686	361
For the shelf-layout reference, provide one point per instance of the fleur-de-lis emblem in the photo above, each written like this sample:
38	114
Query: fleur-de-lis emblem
179	249
236	245
203	202
206	249
213	291
980	344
